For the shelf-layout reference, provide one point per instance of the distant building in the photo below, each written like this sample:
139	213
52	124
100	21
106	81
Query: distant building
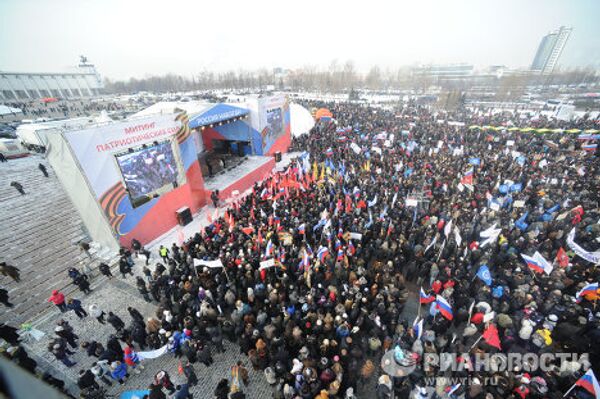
445	72
550	49
19	86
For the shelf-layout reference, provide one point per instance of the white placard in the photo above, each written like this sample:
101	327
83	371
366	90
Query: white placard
208	263
510	142
355	148
267	263
519	204
356	236
412	202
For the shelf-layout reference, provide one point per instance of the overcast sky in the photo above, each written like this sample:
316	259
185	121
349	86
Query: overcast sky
127	38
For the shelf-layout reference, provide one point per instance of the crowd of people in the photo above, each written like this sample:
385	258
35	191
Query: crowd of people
312	274
60	108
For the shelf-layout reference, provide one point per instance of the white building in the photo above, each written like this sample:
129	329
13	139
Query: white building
19	86
550	49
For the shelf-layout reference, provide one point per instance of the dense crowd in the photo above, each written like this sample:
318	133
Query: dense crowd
311	273
61	108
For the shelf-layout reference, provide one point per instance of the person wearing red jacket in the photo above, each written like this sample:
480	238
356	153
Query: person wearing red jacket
131	359
58	299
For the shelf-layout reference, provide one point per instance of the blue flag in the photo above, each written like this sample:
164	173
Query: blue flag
484	275
475	161
516	187
521	224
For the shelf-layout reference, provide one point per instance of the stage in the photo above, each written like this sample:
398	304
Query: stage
241	178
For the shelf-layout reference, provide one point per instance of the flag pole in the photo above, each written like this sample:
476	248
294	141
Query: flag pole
419	310
476	342
569	391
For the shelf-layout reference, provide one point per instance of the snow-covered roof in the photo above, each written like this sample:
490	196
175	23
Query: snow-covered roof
169	107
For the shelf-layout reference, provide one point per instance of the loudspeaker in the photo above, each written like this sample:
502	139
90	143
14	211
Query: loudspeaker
278	156
184	216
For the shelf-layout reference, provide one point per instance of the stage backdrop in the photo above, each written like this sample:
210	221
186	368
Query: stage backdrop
274	120
97	150
268	128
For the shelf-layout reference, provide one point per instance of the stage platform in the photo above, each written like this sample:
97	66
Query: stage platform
241	178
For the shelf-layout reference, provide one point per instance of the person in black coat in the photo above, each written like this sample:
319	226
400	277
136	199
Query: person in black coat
190	373
105	270
82	281
135	315
86	380
4	298
114	345
9	334
222	389
115	321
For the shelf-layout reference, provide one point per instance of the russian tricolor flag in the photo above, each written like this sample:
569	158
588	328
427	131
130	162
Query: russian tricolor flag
534	264
264	194
589	382
302	229
588	289
424	298
322	254
589	147
351	248
452	389
269	250
340	255
444	307
329	152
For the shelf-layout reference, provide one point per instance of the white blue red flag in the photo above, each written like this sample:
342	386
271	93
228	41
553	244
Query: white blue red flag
270	248
444	307
322	254
591	288
589	382
425	298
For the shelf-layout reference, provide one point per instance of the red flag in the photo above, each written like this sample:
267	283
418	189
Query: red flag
490	335
248	230
562	258
260	239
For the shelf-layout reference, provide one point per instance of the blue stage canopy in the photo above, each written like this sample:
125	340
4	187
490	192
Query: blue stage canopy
216	114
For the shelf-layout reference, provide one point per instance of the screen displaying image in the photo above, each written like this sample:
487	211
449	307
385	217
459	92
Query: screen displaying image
274	122
147	170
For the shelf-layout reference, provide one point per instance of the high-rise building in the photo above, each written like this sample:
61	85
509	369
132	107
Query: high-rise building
549	50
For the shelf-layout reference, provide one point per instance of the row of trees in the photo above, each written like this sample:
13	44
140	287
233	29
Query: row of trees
342	77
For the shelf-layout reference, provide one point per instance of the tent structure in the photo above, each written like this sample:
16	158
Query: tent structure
323	113
301	120
6	110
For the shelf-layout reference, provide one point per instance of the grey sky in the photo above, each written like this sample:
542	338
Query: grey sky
127	38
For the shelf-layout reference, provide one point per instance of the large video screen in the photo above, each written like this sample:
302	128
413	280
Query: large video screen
149	170
274	122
